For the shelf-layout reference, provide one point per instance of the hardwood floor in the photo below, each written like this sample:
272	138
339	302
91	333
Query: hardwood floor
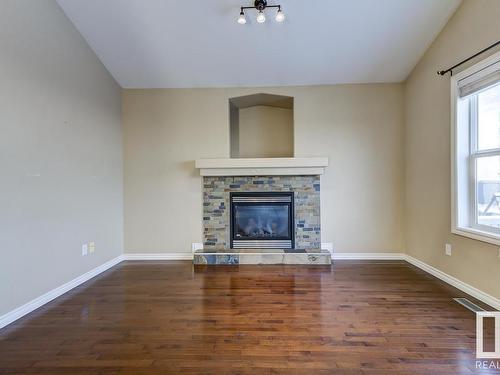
167	318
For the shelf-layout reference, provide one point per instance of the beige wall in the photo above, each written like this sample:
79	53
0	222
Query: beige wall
60	153
265	132
427	145
359	127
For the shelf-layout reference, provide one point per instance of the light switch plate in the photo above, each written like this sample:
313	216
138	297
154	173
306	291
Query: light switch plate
84	250
91	247
447	249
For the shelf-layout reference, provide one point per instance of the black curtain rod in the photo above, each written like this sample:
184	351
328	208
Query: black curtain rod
443	72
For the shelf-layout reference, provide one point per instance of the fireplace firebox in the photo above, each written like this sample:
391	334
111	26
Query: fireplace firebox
262	220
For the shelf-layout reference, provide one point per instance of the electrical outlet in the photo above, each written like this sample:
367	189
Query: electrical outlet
196	246
447	249
327	246
91	247
84	250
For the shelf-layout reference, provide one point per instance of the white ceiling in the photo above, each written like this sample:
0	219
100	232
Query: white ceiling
197	43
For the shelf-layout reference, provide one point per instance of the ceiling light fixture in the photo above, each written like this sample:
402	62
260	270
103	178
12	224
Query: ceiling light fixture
260	5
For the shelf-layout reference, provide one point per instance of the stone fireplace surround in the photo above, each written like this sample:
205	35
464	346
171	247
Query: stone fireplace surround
216	207
298	175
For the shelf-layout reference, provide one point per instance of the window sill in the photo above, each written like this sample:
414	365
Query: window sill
477	234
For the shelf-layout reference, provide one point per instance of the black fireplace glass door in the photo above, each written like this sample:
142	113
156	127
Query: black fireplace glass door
256	222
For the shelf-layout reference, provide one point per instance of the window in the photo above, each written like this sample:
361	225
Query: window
476	151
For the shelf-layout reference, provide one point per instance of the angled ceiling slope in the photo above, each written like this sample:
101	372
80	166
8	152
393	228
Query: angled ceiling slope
193	43
269	100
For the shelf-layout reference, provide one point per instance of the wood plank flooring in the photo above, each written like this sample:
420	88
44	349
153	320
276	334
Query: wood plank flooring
143	318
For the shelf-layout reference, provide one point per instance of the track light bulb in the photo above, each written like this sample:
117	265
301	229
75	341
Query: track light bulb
280	16
261	17
242	19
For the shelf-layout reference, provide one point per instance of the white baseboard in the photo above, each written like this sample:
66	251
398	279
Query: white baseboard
464	287
453	281
368	256
54	293
158	256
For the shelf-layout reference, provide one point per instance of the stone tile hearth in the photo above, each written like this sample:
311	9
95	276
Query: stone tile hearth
261	256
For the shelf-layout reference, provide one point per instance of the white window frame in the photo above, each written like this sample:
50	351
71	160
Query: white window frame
460	199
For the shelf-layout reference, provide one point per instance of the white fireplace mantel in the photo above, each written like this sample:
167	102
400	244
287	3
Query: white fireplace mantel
262	166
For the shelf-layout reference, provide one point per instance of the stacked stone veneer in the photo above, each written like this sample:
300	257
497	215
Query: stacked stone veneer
216	207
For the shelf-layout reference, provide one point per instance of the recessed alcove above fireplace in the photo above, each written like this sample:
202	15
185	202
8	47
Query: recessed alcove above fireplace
261	126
